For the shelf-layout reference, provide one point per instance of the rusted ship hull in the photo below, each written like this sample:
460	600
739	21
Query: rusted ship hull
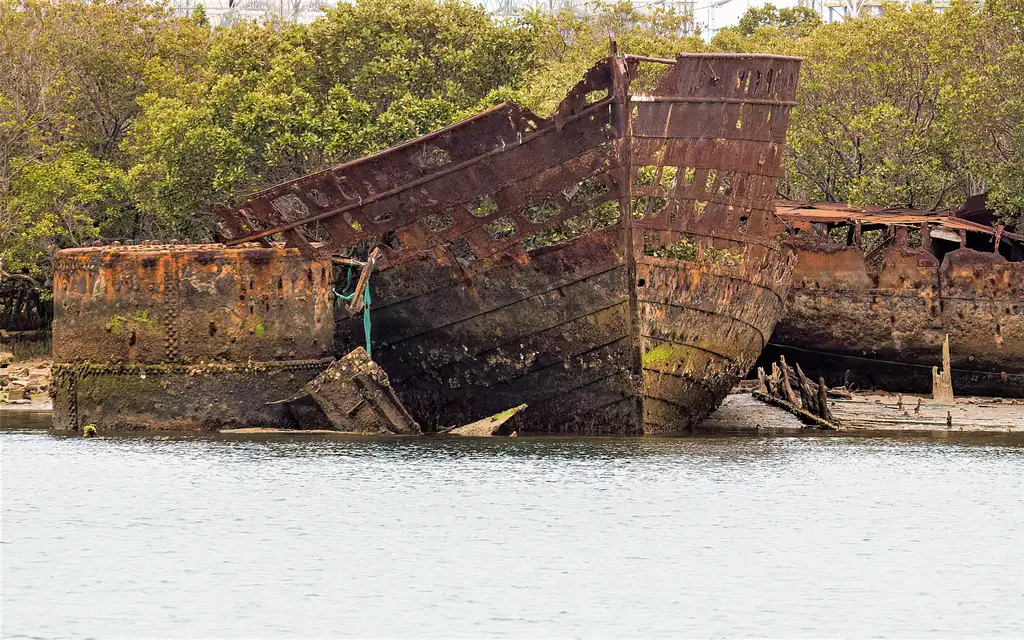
614	268
554	330
186	337
879	321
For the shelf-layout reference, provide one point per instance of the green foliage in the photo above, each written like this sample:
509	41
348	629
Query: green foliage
790	22
121	121
568	44
914	109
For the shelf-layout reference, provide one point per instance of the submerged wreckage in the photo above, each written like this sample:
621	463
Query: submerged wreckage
616	268
876	292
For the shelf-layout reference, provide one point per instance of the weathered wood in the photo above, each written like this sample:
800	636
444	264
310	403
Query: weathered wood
808	396
806	417
356	305
942	381
762	381
824	411
787	388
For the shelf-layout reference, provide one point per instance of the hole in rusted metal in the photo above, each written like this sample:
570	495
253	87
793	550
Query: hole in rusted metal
596	96
587	190
668	177
318	197
392	240
352	222
212	329
131	340
598	217
503	227
483	206
437	222
280	283
744	222
541	212
432	158
641	282
710	183
460	248
290	206
689	174
646	176
699	207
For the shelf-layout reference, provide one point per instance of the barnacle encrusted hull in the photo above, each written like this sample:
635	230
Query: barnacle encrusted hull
615	267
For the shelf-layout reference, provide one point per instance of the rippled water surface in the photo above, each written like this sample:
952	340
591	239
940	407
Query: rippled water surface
190	537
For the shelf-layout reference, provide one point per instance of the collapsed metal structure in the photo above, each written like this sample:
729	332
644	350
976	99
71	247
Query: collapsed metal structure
876	291
614	267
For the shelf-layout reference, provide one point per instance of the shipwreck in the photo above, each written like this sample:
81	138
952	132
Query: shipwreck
615	268
877	291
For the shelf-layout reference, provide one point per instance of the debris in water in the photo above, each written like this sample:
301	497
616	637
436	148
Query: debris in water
353	395
488	426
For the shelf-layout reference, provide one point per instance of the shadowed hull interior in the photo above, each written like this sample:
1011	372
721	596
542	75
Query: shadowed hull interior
552	329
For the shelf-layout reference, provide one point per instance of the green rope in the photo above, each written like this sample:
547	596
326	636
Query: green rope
366	315
366	304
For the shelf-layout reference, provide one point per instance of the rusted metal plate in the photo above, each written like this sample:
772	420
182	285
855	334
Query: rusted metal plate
190	304
798	212
193	337
528	266
878	317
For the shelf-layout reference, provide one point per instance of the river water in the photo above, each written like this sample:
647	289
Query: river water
303	536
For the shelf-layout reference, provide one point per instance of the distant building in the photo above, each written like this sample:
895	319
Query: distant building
709	15
836	10
225	12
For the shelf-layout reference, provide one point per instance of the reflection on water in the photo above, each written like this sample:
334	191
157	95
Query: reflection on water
262	536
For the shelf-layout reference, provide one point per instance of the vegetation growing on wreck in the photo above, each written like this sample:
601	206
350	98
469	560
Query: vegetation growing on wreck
690	250
121	121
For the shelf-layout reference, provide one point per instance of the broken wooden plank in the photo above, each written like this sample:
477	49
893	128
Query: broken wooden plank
489	426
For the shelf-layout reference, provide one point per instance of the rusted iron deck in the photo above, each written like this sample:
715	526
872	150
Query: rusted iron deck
876	291
614	267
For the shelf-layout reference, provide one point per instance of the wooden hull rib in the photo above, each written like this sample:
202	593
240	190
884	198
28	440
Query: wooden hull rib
616	267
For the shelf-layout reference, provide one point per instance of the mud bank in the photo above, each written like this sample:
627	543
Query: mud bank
742	413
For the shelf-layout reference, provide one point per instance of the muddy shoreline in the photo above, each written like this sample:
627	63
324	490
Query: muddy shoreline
742	414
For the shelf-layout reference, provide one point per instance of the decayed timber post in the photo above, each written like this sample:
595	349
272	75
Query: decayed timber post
942	381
